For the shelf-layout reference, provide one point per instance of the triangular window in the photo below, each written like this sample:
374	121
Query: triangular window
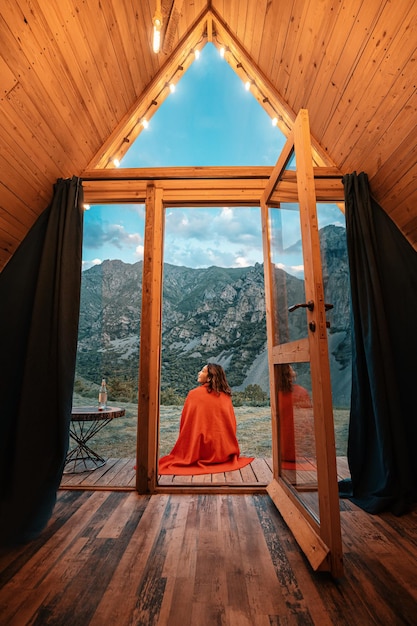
210	119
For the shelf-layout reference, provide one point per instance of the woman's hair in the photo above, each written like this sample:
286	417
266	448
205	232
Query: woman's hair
217	379
285	377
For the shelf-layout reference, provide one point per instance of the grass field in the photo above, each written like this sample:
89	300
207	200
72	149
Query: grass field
118	439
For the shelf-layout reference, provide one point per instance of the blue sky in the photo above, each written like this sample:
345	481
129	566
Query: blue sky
209	120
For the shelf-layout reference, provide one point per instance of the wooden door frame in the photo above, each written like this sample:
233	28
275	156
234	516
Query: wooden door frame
159	188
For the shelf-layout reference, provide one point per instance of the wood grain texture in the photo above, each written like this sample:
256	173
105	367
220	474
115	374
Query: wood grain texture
77	81
180	560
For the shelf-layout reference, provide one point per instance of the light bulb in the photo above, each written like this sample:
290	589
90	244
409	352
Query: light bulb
247	85
145	123
197	54
274	121
116	162
222	52
172	87
156	37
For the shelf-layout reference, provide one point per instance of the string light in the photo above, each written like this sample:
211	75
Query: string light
116	162
145	123
172	87
249	82
197	54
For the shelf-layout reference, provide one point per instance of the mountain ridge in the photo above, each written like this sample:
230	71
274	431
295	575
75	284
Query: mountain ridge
209	313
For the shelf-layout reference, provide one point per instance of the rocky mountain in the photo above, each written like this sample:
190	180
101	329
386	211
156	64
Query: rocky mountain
215	314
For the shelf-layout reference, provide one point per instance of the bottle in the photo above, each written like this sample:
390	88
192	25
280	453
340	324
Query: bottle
102	396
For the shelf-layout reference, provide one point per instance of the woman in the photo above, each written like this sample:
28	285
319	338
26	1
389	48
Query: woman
207	441
290	395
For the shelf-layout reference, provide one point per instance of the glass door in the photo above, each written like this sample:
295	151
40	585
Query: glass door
304	486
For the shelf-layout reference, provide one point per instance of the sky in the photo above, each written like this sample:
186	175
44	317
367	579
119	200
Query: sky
209	120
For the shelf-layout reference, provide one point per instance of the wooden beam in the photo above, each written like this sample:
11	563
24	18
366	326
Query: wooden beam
192	193
150	344
199	172
207	186
278	170
171	26
294	352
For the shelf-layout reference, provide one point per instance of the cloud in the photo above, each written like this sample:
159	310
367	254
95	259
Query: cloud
139	252
234	224
228	237
87	264
99	233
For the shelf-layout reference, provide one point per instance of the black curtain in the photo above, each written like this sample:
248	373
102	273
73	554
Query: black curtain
39	312
383	419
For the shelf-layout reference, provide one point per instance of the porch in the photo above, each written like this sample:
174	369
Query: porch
120	474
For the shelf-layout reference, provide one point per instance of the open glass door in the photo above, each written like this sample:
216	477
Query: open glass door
304	486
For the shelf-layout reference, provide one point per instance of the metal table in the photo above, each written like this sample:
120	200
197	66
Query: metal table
87	421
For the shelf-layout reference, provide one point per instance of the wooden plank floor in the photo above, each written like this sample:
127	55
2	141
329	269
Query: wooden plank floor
120	473
112	557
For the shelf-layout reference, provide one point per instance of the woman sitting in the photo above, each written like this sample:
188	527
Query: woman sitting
207	441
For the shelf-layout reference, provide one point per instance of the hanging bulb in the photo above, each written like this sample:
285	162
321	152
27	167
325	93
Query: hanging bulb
197	54
145	123
172	87
247	85
116	162
156	39
222	52
274	121
157	25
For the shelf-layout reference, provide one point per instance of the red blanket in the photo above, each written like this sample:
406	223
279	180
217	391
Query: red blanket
207	441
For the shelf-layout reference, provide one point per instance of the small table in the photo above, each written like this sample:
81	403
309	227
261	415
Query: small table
87	421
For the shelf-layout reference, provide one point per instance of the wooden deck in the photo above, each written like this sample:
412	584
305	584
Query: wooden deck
120	474
115	557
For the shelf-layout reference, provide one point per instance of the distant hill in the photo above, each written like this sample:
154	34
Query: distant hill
215	314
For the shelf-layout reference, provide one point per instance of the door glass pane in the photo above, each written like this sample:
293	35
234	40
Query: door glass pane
336	283
288	273
296	436
294	407
296	432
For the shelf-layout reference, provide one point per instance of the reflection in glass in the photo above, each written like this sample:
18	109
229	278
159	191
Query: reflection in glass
287	273
296	432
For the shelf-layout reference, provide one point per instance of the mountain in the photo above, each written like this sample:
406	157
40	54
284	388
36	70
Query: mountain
212	314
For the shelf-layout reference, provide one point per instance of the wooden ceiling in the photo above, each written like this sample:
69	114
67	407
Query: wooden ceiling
79	76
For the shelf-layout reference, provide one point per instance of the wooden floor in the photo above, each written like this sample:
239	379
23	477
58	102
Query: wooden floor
120	473
115	557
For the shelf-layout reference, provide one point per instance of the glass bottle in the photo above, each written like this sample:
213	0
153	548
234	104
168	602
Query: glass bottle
102	396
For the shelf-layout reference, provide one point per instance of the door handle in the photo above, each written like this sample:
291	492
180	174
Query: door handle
305	305
308	305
